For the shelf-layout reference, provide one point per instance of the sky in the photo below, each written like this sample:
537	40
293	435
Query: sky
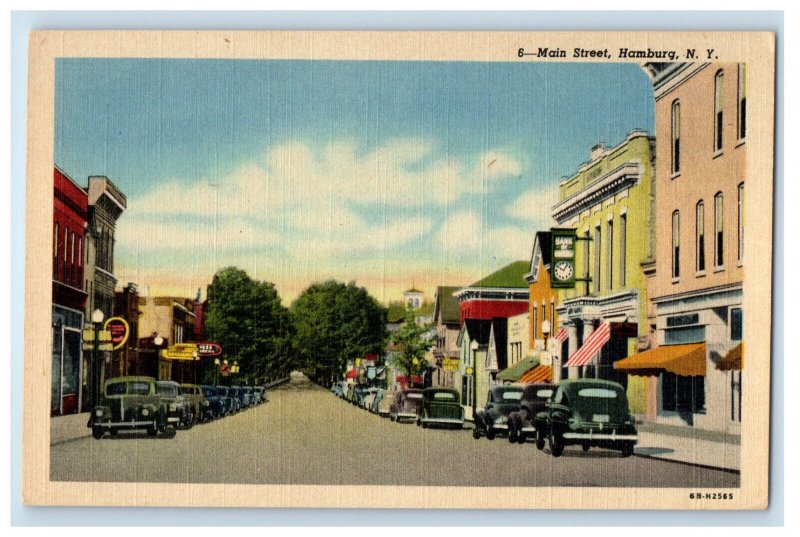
389	174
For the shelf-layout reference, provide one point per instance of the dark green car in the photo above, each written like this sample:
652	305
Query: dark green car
588	413
441	407
129	403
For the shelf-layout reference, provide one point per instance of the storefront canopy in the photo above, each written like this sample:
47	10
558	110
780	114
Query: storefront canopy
684	360
733	360
516	371
540	373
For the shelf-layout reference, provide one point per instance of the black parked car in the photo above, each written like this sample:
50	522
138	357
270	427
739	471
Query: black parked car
227	406
534	400
588	413
493	420
212	407
440	407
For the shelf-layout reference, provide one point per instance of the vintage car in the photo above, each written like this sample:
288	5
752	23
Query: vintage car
194	399
128	403
235	393
367	398
212	407
178	412
588	413
384	402
492	420
405	404
247	396
339	388
440	407
348	394
358	394
260	394
534	399
225	400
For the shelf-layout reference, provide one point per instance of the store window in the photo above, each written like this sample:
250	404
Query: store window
736	396
683	394
736	324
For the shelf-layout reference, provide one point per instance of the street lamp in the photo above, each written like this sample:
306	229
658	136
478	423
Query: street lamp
473	377
158	341
97	320
216	371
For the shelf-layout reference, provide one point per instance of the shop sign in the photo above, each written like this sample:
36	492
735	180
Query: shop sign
563	242
180	351
103	337
119	330
209	349
451	364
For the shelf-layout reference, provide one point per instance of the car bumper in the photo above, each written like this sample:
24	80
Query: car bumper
528	429
173	419
449	421
122	424
614	437
500	426
401	415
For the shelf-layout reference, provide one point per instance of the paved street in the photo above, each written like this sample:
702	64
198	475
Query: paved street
306	435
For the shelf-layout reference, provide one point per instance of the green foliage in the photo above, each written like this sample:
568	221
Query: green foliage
412	346
247	318
336	322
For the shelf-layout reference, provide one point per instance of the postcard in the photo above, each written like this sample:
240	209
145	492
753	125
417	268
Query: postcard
398	269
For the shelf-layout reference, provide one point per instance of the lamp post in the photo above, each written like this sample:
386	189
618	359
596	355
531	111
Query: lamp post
216	371
474	348
195	364
97	320
158	341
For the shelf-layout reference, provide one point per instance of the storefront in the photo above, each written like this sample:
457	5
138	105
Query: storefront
69	378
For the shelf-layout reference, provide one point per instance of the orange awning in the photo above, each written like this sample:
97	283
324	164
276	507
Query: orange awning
684	360
540	373
733	360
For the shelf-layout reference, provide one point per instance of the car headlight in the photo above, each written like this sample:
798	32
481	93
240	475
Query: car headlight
145	412
501	419
173	407
205	403
98	413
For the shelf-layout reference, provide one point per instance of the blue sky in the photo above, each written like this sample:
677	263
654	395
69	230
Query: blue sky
387	173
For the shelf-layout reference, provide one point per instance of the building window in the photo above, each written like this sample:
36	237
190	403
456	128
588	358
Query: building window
719	257
623	233
610	254
742	99
80	251
66	245
598	248
718	121
683	394
552	317
676	138
676	246
544	313
55	251
736	324
700	237
535	320
586	262
736	396
740	226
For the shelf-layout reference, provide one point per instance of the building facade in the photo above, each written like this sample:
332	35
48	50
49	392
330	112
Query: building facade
695	281
165	321
446	353
69	385
610	204
125	360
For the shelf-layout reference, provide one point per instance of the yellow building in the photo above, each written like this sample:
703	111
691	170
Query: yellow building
609	202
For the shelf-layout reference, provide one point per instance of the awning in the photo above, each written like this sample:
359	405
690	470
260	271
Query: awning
733	360
514	372
353	373
684	360
540	373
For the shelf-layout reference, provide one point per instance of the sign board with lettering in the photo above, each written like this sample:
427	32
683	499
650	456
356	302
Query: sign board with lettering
118	329
181	351
562	262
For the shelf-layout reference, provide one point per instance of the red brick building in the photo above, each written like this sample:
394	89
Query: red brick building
70	216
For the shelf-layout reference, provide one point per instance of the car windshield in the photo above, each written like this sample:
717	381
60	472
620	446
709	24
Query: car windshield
598	393
167	389
544	394
414	395
512	395
116	388
223	391
444	396
209	392
187	390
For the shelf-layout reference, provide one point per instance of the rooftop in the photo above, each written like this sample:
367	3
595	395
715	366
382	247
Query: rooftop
510	276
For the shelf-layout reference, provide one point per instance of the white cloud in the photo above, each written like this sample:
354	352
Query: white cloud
535	205
465	235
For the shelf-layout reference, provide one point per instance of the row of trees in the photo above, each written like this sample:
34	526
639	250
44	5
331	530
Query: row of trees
326	325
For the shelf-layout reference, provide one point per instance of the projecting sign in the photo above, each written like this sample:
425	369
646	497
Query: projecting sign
119	330
562	261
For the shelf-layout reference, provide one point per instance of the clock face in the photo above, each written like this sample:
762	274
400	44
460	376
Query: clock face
563	270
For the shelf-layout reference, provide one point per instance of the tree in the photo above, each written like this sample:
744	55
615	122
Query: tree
333	323
413	343
247	319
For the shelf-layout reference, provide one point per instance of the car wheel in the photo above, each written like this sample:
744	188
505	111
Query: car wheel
512	437
424	424
556	445
489	434
522	438
190	422
152	431
97	432
476	434
627	451
585	447
539	440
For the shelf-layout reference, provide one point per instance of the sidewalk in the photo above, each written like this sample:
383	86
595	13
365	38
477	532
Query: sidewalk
70	427
701	448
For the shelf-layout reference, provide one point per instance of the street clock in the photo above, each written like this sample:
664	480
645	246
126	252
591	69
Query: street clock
562	260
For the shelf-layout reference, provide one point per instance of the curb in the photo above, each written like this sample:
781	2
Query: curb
686	463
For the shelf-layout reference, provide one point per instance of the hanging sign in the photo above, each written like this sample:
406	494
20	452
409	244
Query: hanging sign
562	262
119	330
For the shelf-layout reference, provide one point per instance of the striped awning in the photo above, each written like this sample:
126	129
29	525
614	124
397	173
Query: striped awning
591	346
515	372
540	373
562	335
